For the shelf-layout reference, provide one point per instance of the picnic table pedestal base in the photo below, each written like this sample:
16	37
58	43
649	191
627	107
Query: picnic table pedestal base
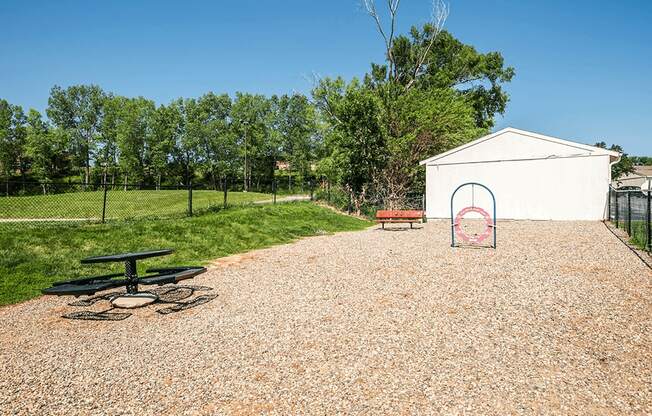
131	275
134	300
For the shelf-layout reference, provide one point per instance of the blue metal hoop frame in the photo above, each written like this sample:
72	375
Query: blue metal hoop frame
493	198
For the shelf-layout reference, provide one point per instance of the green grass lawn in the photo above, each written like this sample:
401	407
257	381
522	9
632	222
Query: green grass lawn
33	257
120	204
639	234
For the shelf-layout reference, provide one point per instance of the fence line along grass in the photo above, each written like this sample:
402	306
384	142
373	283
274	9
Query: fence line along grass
31	258
639	234
120	204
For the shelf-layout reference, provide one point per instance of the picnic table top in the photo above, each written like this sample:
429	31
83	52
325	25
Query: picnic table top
127	256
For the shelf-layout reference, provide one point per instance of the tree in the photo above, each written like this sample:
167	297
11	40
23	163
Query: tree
184	154
401	67
296	127
425	122
250	118
78	110
624	166
641	160
12	141
165	135
357	138
45	148
419	100
107	155
433	58
208	129
133	132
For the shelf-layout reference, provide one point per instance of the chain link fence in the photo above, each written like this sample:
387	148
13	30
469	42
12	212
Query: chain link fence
631	210
339	198
43	203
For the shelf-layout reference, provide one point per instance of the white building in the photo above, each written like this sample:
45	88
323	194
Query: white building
532	176
640	178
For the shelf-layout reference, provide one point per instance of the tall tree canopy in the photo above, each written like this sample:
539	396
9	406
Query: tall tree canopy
432	93
78	110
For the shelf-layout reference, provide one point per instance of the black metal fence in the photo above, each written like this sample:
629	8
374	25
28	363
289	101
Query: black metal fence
631	210
71	202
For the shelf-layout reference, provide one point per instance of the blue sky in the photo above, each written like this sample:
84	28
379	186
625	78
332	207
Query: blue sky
582	71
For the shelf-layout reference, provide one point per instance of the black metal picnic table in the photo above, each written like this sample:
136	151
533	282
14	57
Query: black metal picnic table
131	280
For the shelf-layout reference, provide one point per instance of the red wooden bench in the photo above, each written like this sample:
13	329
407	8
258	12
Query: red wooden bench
399	216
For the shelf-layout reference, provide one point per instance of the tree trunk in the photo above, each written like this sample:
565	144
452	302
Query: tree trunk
126	177
214	180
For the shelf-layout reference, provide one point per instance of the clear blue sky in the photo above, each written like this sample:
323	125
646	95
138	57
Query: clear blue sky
582	71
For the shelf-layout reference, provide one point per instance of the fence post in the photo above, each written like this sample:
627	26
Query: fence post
225	186
424	219
104	204
629	213
190	199
617	216
609	205
274	190
649	215
328	184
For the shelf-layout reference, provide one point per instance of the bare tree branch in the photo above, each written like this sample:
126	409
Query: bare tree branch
393	10
440	12
315	78
370	8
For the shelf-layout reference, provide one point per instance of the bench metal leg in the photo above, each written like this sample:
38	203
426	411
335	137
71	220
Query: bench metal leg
382	225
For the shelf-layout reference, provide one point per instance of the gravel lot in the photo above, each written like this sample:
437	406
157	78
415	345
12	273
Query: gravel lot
557	320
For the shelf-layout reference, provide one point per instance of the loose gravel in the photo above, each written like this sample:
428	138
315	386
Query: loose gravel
557	319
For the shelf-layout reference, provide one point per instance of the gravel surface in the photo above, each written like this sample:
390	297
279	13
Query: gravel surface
557	320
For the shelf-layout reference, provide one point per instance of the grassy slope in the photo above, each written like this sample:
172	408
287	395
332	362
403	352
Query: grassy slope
32	258
120	204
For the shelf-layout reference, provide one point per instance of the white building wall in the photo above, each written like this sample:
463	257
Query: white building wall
553	188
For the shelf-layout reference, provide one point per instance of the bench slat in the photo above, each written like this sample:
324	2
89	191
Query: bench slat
399	214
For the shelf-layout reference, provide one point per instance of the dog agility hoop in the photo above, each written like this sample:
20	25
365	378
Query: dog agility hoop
488	220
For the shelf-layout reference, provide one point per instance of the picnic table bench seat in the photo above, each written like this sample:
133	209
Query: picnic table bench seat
91	285
399	216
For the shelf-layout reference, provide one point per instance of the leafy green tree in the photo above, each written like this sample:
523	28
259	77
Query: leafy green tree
107	154
432	93
45	148
250	121
208	129
624	166
423	123
7	146
641	160
357	139
133	132
431	58
295	124
12	141
78	110
165	135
